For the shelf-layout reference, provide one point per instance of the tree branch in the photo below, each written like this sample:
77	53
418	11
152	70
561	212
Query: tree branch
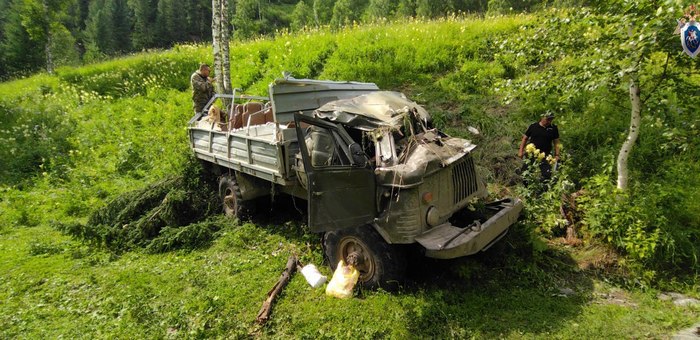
266	309
658	83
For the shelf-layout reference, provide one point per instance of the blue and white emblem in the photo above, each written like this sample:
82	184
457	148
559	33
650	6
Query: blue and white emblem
690	37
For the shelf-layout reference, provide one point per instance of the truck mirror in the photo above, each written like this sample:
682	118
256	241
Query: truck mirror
359	158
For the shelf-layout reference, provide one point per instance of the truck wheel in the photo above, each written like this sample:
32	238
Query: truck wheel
380	264
233	203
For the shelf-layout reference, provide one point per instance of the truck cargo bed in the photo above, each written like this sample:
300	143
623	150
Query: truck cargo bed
264	151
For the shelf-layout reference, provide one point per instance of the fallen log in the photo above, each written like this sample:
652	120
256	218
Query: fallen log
266	309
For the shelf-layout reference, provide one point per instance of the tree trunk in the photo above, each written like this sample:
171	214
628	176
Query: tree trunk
635	122
49	52
216	43
49	42
225	44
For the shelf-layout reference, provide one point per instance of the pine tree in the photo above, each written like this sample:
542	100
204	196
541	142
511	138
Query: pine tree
144	18
97	36
323	11
431	9
302	16
198	18
472	6
378	9
121	26
248	18
406	8
164	33
346	12
17	42
4	5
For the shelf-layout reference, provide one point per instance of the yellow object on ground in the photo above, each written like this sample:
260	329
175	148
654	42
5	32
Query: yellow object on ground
343	281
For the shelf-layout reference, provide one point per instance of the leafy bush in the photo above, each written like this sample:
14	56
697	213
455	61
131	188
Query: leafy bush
614	216
644	224
545	198
35	136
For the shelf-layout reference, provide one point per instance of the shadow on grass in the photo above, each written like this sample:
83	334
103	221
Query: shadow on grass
511	289
286	216
507	290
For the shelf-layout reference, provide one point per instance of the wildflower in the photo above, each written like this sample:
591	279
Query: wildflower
551	160
531	149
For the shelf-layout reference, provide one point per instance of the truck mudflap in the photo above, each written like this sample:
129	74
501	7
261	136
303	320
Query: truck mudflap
446	241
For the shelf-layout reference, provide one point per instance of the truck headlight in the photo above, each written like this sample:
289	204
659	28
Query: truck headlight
433	216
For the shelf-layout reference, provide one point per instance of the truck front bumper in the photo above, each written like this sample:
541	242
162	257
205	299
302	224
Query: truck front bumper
447	241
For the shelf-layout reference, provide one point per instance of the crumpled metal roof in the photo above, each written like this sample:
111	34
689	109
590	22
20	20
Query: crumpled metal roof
372	110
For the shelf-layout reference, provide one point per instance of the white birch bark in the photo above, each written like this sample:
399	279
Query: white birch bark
49	52
216	43
635	122
49	42
225	44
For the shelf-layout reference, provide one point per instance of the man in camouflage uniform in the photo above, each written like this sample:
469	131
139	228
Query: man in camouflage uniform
202	88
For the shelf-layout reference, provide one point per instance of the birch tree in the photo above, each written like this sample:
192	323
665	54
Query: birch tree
216	42
41	19
623	61
220	39
225	45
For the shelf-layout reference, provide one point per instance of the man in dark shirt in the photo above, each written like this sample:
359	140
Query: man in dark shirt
543	134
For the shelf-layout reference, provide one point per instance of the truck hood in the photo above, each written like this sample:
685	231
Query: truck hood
372	110
430	154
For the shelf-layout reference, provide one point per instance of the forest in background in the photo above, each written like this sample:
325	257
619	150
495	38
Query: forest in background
86	31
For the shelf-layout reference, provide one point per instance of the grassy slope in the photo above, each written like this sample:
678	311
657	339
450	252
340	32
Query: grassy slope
53	286
128	117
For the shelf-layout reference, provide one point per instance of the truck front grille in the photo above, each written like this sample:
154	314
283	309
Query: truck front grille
464	179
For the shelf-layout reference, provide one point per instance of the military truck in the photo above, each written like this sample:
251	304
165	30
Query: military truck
374	173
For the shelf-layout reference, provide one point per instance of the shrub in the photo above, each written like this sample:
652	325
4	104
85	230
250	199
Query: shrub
35	138
544	198
643	224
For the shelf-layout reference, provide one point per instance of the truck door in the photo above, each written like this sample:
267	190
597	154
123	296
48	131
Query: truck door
341	187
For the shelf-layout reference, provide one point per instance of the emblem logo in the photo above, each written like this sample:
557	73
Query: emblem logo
689	30
690	38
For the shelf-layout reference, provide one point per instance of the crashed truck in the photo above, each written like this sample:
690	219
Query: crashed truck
375	175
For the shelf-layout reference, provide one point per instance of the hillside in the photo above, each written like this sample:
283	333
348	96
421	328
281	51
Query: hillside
75	141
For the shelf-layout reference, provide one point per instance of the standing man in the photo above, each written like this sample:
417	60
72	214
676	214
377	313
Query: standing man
543	134
202	88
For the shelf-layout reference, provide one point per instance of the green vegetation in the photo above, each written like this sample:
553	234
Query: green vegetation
114	132
71	32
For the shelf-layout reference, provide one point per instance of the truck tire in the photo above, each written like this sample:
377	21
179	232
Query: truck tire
233	204
381	265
